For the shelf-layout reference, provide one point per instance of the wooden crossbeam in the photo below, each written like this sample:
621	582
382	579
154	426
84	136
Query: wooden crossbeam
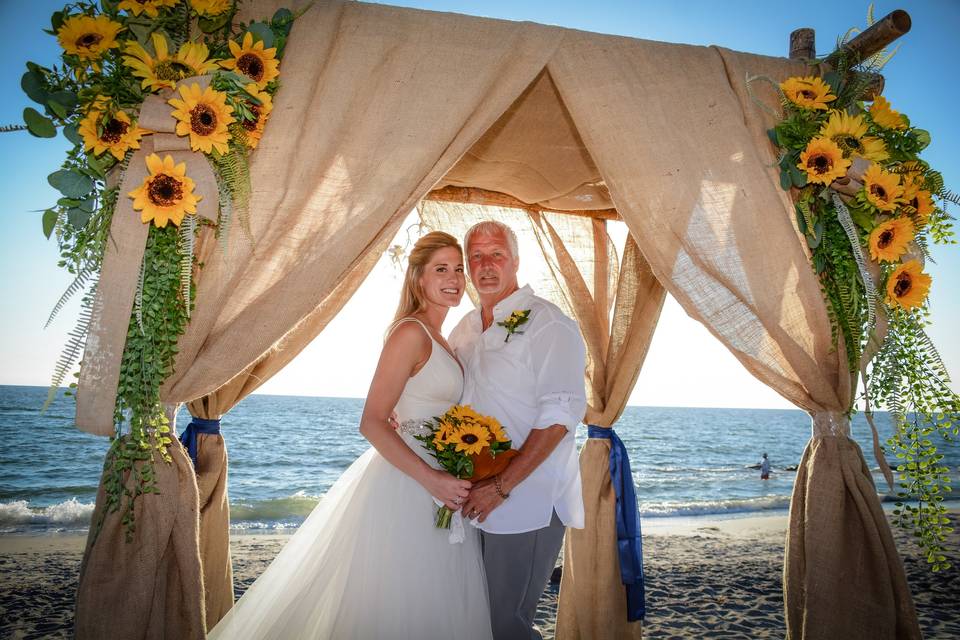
473	195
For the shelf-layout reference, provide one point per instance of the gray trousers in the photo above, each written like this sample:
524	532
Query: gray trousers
518	566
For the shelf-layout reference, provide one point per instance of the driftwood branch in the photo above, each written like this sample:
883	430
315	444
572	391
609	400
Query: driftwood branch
877	36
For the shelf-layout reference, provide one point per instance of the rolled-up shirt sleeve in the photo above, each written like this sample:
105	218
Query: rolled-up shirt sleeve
559	359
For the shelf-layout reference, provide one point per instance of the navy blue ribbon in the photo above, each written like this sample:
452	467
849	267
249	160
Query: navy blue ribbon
629	544
196	427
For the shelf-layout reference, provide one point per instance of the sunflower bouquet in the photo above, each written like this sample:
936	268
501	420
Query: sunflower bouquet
869	207
467	445
129	71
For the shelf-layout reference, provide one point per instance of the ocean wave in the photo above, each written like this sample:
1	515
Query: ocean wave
712	507
69	513
294	507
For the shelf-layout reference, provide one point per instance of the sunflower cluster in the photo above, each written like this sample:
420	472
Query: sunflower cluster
869	208
217	79
825	140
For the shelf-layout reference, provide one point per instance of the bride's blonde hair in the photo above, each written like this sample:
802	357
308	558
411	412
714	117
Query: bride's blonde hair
411	295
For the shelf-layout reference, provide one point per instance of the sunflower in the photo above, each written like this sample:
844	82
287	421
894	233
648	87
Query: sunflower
115	133
261	112
210	7
165	70
908	285
884	116
149	7
470	438
888	240
920	200
497	431
823	161
205	115
809	92
882	189
166	195
850	134
253	61
89	38
463	413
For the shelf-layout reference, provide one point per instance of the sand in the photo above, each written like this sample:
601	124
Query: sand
706	578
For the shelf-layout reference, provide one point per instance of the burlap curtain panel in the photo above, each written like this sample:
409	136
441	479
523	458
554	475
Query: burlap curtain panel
675	135
378	105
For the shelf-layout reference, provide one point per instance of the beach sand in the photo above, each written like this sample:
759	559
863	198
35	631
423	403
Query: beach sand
705	577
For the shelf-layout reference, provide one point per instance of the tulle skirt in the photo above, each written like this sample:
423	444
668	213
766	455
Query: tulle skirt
368	564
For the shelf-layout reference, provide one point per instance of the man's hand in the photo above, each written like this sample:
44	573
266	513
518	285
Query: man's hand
482	500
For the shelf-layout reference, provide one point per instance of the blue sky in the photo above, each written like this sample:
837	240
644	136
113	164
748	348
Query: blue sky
921	82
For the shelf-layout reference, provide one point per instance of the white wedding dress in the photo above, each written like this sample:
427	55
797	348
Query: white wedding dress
368	563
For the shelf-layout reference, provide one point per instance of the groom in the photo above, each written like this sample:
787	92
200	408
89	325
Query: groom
524	362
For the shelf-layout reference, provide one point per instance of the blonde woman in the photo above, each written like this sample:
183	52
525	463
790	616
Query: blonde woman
368	561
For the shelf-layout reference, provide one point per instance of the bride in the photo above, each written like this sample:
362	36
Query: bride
368	562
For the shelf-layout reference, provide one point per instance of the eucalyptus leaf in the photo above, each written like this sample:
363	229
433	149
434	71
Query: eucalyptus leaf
262	31
49	222
70	183
785	180
66	98
209	24
71	133
772	134
923	138
141	32
78	218
833	79
98	165
32	84
799	177
56	20
38	124
283	18
58	109
89	205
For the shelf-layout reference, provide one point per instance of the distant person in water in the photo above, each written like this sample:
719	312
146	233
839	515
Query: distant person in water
764	468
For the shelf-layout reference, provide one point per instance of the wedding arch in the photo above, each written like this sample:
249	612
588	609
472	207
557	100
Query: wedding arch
555	131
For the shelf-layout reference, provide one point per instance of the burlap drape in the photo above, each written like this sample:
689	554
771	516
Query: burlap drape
378	103
341	163
674	134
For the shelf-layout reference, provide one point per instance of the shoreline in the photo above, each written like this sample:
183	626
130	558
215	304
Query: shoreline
706	576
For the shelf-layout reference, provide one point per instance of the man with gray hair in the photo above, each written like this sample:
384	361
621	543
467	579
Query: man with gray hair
524	362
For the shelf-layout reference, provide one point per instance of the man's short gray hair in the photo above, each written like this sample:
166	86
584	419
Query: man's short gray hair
491	228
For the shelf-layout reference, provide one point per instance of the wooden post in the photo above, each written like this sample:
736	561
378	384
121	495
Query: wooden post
803	44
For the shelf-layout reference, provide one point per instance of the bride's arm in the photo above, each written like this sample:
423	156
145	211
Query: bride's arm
405	351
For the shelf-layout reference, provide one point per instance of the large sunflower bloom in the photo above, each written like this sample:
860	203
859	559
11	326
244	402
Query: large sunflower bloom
470	438
850	134
908	285
888	240
882	189
261	112
165	70
166	195
809	92
823	161
116	133
149	7
253	61
884	116
210	7
205	115
89	38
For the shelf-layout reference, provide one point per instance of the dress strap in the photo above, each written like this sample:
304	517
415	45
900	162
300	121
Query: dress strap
397	323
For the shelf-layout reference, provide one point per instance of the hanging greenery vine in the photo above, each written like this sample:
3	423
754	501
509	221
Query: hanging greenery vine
116	54
869	207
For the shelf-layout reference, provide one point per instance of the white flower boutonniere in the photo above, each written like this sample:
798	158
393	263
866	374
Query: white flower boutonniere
516	320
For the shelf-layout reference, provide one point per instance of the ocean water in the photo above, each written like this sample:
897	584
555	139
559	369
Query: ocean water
286	451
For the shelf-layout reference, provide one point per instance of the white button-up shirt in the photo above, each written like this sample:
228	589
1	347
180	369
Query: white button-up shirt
532	381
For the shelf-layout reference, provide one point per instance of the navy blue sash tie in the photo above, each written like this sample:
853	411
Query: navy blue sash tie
629	544
196	427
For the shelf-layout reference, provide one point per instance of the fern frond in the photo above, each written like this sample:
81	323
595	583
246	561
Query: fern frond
234	169
71	352
138	299
749	84
7	128
188	230
75	286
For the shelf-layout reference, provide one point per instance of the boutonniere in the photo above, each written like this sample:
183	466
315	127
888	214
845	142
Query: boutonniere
515	321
